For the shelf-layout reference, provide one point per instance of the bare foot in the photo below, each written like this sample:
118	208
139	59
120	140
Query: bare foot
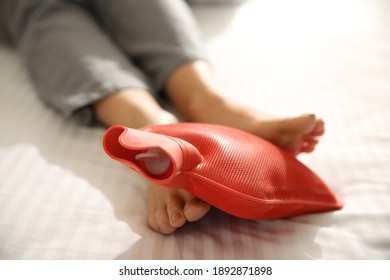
169	209
294	134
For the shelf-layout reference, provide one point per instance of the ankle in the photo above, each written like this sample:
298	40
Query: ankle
164	117
131	107
201	104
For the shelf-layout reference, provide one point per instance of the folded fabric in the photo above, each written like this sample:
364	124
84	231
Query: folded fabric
235	171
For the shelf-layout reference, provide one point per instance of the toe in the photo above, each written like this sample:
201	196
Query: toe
175	213
319	128
195	209
162	222
153	222
307	147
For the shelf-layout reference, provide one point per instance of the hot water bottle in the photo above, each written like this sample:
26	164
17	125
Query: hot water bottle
235	171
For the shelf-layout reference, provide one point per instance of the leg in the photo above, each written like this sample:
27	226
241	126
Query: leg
163	39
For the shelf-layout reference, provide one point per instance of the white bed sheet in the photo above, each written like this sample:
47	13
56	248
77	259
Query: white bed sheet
61	197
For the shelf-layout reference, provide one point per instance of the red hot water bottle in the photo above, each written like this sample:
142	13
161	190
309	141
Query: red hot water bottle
230	169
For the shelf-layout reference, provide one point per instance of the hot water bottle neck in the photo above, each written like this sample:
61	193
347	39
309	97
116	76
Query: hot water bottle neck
230	169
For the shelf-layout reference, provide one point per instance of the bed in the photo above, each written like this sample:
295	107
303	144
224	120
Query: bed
61	197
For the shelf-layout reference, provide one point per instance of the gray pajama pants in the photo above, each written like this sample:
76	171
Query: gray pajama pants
80	51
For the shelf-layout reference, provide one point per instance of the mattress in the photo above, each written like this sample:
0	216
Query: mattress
61	197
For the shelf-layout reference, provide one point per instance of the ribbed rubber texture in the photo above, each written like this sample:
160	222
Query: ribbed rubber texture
249	177
240	173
